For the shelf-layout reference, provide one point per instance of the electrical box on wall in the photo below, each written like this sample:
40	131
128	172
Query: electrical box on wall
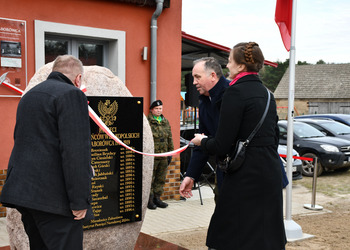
144	53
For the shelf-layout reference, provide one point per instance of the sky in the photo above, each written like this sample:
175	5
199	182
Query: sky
322	27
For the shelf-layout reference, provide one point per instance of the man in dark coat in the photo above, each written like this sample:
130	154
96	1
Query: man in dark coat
211	84
49	172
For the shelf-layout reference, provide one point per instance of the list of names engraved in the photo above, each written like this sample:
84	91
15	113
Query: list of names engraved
127	179
117	185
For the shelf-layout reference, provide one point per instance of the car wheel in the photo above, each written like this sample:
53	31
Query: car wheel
309	166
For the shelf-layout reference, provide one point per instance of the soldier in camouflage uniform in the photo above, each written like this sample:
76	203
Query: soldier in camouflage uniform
163	142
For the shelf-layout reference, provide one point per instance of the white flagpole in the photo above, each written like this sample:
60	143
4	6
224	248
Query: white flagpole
293	230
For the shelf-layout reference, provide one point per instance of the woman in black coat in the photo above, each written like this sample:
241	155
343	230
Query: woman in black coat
249	213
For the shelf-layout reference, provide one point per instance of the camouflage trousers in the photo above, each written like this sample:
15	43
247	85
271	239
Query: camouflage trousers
159	175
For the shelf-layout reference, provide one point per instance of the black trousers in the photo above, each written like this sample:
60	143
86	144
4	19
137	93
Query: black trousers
48	231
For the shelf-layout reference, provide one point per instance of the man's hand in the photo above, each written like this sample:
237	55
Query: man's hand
186	187
198	139
79	214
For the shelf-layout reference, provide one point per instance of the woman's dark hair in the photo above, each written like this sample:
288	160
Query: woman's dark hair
250	55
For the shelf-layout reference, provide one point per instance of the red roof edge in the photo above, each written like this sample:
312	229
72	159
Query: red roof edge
217	46
205	42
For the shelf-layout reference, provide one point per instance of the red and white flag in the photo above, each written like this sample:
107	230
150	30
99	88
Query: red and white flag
283	18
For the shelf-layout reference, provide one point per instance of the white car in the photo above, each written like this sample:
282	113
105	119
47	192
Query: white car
297	163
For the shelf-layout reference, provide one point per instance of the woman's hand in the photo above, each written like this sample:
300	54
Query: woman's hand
198	138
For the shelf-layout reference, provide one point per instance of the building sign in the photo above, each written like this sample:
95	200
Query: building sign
117	185
13	45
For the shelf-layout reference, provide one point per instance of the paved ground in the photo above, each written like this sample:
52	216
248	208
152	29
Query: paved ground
190	215
4	238
181	215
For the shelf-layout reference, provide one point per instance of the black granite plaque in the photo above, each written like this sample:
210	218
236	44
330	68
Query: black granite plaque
117	185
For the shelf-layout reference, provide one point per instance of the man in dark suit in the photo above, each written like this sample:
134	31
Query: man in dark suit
211	84
49	172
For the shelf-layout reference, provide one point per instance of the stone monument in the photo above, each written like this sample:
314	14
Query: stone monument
99	81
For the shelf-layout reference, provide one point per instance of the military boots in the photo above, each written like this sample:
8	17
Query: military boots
158	202
150	204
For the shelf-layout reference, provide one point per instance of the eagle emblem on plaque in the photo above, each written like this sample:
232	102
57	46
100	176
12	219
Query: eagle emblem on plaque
108	111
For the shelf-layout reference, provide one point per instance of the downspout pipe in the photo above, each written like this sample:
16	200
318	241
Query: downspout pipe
156	14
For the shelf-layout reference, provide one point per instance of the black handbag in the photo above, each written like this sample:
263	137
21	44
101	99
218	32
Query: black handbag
233	161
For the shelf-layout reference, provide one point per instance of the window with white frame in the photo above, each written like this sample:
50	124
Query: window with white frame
93	46
89	51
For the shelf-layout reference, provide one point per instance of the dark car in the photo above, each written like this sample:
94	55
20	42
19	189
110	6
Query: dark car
343	118
329	127
332	153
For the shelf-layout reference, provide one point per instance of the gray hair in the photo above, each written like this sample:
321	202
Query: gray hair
68	65
210	63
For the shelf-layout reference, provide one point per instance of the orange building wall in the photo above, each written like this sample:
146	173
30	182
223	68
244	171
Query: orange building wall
132	19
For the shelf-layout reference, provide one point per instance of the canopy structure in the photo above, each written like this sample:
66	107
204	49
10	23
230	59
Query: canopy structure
147	3
194	48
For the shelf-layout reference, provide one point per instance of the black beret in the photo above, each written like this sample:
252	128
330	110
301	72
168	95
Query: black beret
155	104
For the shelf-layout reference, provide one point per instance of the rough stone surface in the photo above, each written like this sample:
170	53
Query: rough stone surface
99	81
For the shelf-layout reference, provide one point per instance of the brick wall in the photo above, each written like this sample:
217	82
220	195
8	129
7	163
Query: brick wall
3	173
173	180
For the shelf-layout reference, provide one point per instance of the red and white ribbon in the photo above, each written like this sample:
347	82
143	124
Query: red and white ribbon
3	81
298	157
13	87
101	124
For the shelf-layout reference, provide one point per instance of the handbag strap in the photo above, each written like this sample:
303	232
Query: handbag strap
261	120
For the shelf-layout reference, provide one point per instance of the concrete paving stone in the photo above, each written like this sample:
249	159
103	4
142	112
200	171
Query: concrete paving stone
4	237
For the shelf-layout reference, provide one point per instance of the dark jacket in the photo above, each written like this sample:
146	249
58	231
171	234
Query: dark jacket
49	168
209	111
249	212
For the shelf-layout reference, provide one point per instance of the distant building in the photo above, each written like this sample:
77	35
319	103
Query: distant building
319	89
